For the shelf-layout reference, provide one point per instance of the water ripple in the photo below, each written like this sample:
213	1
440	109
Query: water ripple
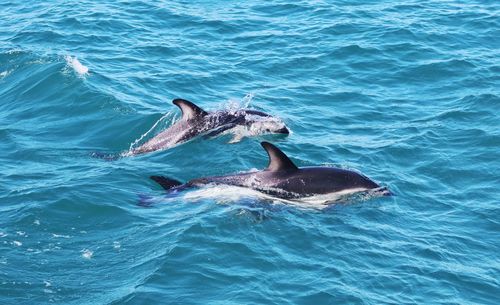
404	92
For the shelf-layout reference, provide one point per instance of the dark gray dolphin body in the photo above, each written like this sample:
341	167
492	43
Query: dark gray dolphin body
283	179
196	121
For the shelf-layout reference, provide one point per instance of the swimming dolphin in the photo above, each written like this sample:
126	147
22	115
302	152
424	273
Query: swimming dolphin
283	179
196	121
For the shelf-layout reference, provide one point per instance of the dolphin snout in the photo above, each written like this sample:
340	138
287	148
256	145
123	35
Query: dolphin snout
386	192
283	130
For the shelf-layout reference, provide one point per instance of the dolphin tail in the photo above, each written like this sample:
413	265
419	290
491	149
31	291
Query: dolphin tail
167	183
172	186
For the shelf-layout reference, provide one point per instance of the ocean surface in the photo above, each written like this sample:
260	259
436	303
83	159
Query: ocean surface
408	94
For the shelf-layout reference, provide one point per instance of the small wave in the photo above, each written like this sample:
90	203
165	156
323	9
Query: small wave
74	63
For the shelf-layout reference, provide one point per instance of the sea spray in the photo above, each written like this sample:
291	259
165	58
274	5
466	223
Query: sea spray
74	63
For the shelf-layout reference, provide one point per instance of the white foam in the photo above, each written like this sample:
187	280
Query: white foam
74	63
326	199
87	254
228	193
60	236
5	73
220	193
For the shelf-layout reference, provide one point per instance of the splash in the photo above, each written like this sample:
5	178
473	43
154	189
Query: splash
74	63
233	105
247	99
139	141
259	126
87	254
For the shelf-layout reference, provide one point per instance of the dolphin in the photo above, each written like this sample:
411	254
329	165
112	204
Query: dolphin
283	179
196	121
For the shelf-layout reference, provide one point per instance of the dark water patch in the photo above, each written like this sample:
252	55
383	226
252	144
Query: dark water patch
280	9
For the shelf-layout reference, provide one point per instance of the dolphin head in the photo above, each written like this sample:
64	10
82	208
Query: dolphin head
270	126
262	123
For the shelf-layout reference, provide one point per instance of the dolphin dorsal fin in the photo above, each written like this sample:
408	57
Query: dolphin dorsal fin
278	161
189	110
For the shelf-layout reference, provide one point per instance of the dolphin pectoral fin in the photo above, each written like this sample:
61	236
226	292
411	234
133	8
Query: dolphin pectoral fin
189	110
165	182
278	161
219	130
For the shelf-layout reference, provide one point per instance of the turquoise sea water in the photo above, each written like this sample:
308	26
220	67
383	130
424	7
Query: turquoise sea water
407	93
